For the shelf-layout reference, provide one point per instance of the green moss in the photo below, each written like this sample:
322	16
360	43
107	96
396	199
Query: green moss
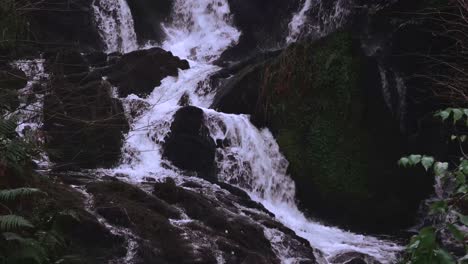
315	104
318	123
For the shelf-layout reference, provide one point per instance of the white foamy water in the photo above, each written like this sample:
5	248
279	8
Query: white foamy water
297	23
251	159
201	29
115	23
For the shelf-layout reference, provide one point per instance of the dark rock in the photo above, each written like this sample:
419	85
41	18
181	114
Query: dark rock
115	215
12	78
148	16
65	213
150	221
56	23
189	145
264	25
139	72
353	258
84	124
66	61
240	234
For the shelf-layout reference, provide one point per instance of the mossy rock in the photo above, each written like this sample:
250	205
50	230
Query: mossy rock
323	102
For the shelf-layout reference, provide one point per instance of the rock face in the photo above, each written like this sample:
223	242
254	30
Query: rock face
58	23
220	223
89	240
139	72
264	25
84	124
189	145
148	16
321	102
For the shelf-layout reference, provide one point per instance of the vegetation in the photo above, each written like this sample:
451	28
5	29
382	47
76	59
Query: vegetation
445	241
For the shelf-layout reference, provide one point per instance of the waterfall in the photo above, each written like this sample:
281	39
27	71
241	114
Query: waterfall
297	23
115	24
201	30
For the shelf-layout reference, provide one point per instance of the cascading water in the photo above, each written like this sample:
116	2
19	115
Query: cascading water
115	23
297	23
201	32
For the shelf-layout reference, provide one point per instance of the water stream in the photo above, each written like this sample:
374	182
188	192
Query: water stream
253	160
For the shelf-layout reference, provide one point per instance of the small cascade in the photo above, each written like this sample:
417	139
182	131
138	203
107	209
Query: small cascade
298	22
115	24
201	30
316	20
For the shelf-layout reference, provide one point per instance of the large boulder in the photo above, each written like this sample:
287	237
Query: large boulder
83	122
264	25
323	103
223	222
148	16
139	72
189	145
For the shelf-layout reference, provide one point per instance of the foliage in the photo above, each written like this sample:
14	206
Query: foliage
451	227
15	152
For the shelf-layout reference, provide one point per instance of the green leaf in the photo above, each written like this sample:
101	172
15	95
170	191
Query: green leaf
443	114
444	257
457	114
414	159
460	178
457	234
13	222
12	194
439	207
427	162
463	138
403	162
463	219
463	189
464	166
440	168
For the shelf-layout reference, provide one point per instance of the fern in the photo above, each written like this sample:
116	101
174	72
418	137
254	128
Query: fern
27	250
8	128
13	194
13	222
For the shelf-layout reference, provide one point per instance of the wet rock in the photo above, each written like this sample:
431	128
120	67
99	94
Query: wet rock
237	234
12	78
149	220
264	25
66	61
148	16
189	145
353	258
84	124
64	208
139	72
